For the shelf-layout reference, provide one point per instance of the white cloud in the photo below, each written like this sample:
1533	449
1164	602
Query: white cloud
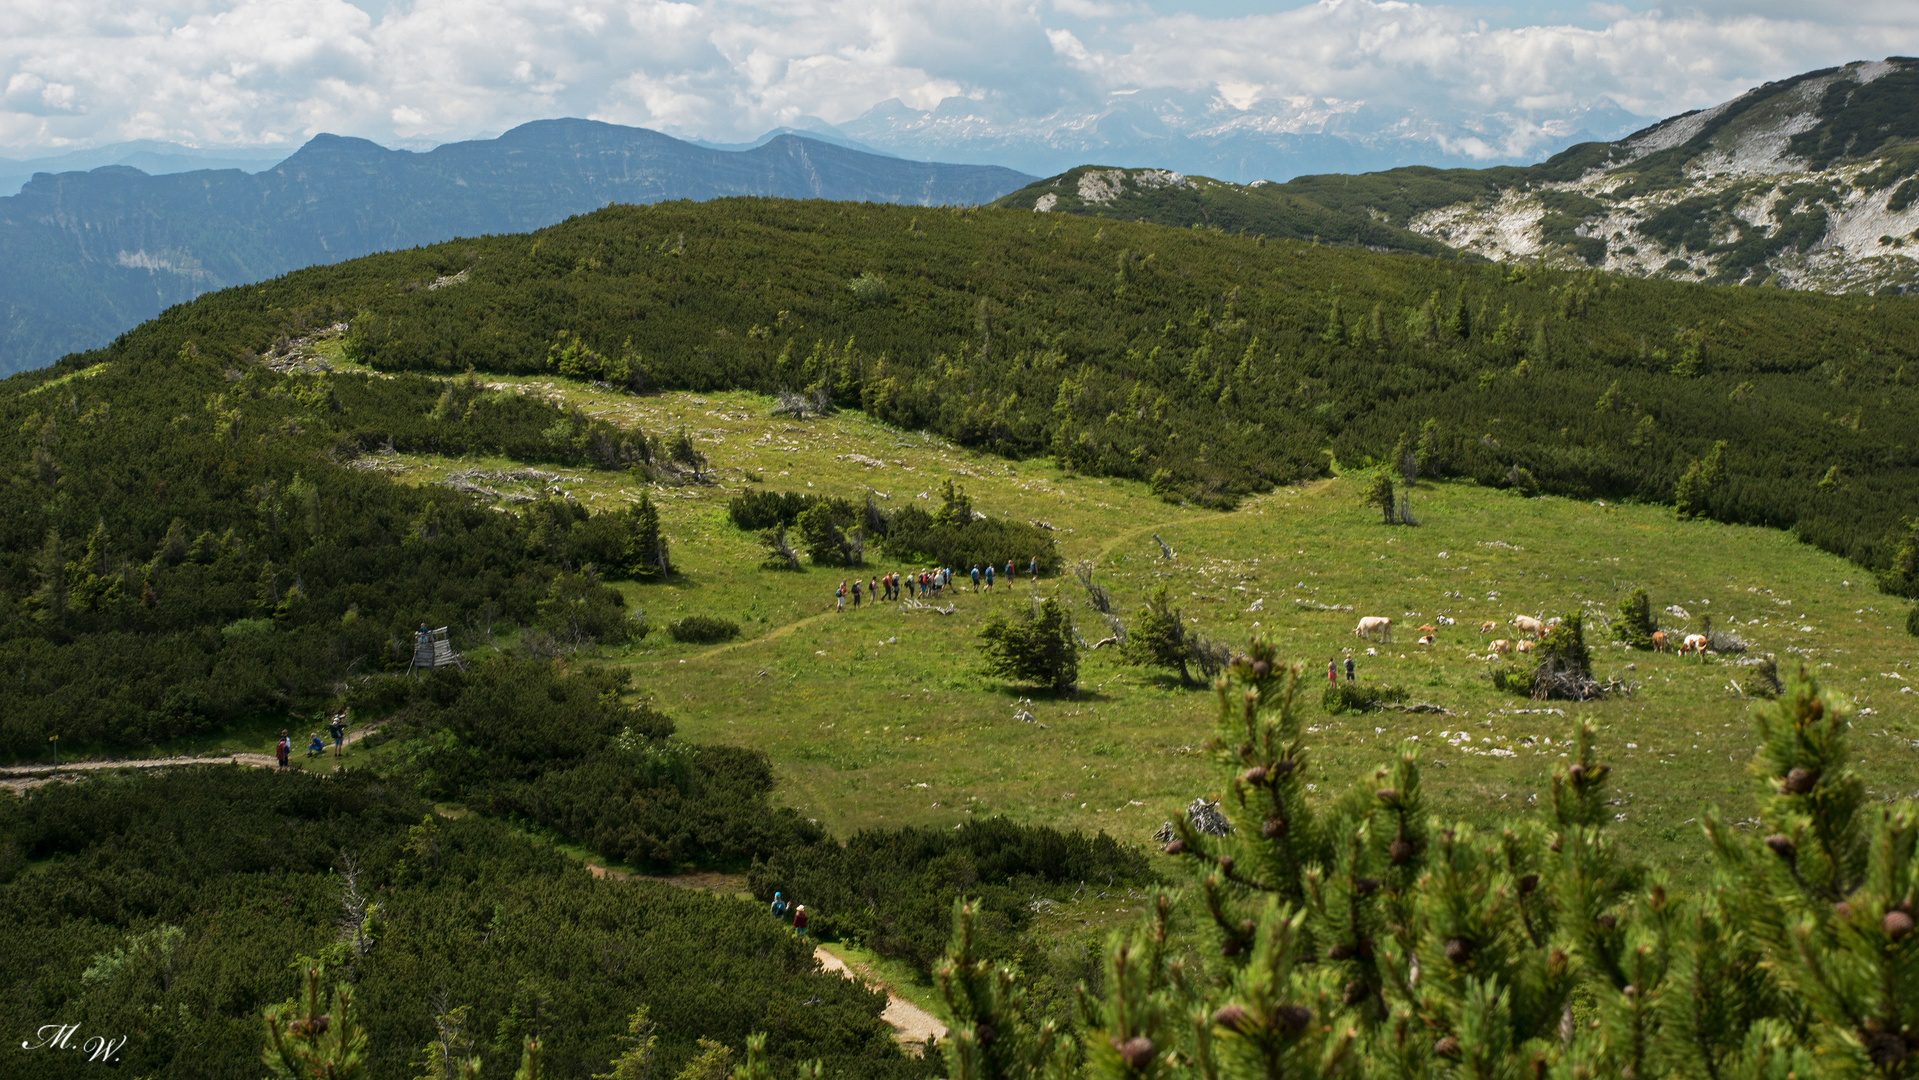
278	71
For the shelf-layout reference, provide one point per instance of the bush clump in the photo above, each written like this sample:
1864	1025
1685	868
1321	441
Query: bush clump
1513	680
1357	697
1912	622
755	510
1636	622
1037	649
702	629
893	890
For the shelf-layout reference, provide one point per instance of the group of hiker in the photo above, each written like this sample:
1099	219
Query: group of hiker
785	911
926	583
336	727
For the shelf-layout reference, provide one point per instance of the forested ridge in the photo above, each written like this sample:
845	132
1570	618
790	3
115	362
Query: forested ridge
1209	365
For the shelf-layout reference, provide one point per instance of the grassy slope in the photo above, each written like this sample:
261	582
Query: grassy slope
880	717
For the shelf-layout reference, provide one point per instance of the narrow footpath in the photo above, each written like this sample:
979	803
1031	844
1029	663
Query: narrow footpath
19	778
913	1026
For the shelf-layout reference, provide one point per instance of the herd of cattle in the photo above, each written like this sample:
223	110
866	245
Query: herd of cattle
1380	628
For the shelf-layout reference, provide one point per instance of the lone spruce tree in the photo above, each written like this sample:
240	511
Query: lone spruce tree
1037	648
1160	639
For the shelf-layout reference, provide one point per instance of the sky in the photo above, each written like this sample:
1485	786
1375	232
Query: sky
221	73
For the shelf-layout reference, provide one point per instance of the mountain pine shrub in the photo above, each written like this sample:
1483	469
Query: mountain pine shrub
1359	937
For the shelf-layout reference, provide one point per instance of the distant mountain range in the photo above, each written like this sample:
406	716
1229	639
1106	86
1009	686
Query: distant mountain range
1201	132
153	158
1807	183
87	255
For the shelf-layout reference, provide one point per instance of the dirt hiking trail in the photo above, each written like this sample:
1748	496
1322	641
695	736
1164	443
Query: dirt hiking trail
21	778
913	1026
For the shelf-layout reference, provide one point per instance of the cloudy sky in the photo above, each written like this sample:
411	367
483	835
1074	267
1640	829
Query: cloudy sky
213	73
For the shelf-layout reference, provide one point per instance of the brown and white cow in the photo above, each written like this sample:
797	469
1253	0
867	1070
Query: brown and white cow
1502	647
1487	628
1694	643
1375	624
1524	645
1526	624
1660	642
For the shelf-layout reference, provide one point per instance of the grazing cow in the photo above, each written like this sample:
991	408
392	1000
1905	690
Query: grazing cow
1660	643
1524	645
1487	628
1526	624
1694	643
1375	624
1502	646
1426	640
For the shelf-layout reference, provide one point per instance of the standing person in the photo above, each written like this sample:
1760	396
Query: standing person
1032	567
989	577
779	906
975	577
337	729
839	599
1349	669
1332	672
283	748
1009	573
799	920
856	594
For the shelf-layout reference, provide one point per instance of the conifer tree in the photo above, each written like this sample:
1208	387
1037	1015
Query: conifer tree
649	560
991	1036
1160	639
317	1038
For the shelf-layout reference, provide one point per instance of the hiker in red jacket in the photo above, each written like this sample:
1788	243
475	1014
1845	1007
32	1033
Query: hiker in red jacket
283	748
799	920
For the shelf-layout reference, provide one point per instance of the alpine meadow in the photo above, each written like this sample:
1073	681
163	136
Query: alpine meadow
1145	652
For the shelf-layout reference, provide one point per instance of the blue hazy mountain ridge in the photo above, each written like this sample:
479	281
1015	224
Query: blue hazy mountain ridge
148	155
85	256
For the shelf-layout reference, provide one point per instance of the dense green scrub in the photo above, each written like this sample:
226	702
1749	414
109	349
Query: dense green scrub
187	543
171	909
892	890
518	739
1208	365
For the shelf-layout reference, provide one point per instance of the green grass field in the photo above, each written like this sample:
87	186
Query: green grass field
881	716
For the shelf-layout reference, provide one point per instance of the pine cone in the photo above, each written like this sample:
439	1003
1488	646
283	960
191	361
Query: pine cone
1233	1018
1459	950
1798	781
1175	847
1401	851
1226	864
1137	1052
1256	775
1261	669
1896	924
984	1034
1365	886
1292	1019
1388	796
1782	845
1528	883
1885	1049
1273	829
1446	1047
1284	767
